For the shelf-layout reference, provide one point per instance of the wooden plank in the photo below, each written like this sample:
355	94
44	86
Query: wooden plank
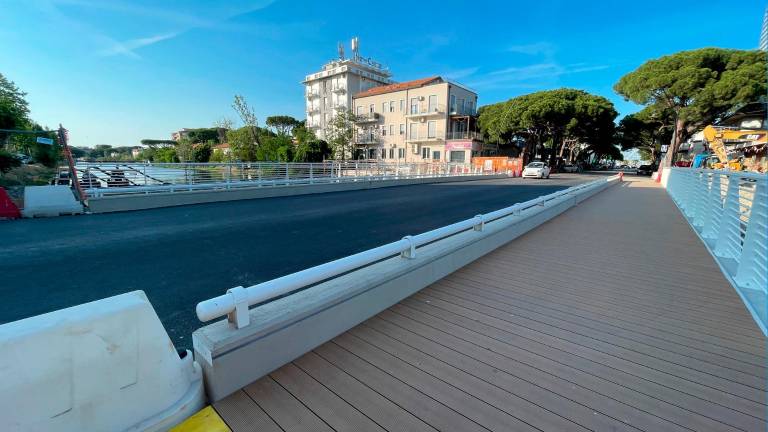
242	414
718	366
475	409
540	408
630	388
380	409
424	407
620	323
283	407
334	411
519	375
486	391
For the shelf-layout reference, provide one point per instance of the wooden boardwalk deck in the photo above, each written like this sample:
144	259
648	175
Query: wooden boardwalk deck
611	317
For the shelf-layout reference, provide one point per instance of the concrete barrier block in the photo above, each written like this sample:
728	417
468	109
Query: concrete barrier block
107	365
45	201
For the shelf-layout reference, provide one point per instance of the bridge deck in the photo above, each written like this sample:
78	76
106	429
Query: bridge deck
613	316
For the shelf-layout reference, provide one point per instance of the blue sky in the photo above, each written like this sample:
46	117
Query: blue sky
114	72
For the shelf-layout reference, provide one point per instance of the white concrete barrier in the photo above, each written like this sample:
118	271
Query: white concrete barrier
49	201
107	365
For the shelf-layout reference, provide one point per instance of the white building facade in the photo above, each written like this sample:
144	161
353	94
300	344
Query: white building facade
331	89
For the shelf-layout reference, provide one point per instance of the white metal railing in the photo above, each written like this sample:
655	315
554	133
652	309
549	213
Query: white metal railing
236	301
464	135
425	109
123	178
729	211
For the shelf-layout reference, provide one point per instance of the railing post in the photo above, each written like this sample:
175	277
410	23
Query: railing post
700	197
751	271
311	179
287	174
713	210
239	317
727	233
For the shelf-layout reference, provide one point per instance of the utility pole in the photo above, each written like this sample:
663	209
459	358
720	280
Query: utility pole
71	162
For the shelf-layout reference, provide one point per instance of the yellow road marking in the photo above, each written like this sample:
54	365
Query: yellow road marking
205	420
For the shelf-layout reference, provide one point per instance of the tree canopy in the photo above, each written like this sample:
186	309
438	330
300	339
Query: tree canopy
696	87
566	119
283	124
14	109
157	142
340	132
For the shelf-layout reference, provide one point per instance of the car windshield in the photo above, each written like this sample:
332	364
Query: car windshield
536	165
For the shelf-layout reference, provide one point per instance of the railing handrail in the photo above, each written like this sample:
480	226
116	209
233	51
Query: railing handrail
237	300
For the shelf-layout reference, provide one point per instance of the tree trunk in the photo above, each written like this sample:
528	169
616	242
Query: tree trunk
677	138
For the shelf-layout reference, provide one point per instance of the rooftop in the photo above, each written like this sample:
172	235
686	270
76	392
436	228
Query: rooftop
400	86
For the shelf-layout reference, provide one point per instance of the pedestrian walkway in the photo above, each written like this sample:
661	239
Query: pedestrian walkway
611	317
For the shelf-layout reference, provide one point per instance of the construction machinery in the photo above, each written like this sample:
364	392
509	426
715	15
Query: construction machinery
738	142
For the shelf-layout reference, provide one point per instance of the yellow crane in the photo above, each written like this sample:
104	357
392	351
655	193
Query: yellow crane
730	137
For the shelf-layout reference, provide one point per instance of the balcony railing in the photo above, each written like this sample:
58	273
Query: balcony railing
339	89
425	110
457	110
367	139
311	94
313	110
340	107
424	137
465	135
368	117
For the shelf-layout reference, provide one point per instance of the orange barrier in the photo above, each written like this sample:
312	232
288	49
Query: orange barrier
512	166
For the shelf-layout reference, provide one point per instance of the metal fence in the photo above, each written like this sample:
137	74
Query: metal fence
120	178
236	301
729	211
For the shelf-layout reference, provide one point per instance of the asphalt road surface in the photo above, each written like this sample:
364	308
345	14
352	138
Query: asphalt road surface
182	255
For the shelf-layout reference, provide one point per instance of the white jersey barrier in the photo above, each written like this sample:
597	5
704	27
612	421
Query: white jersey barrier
107	365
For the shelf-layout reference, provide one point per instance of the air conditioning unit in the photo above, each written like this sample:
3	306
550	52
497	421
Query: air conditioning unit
415	148
421	98
422	119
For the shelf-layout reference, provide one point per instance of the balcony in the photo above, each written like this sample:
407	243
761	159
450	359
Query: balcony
339	89
340	107
425	110
370	117
368	140
464	135
312	94
458	111
424	138
313	110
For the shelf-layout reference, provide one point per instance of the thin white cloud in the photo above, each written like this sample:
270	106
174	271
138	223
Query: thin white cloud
539	48
461	73
530	76
129	47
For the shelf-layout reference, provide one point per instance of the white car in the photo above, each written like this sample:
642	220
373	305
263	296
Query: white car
536	170
570	168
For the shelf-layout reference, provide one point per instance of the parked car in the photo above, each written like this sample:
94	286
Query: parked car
570	168
536	170
646	169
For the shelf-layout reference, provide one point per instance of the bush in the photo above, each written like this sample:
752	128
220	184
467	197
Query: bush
166	154
202	152
8	161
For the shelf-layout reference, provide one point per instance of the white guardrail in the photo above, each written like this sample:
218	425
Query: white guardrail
236	302
729	211
122	178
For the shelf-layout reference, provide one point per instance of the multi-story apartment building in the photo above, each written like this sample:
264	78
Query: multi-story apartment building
331	89
426	120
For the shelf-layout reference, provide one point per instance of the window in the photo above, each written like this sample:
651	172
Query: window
431	127
425	152
391	106
457	156
359	110
383	130
461	106
391	129
414	131
391	153
436	155
402	129
371	153
402	105
383	153
471	107
414	105
432	103
401	153
325	101
384	107
453	103
370	108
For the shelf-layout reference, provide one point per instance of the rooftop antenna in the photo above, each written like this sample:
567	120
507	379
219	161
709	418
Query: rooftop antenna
341	50
356	48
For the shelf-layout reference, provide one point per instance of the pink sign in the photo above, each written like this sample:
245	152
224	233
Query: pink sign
458	145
